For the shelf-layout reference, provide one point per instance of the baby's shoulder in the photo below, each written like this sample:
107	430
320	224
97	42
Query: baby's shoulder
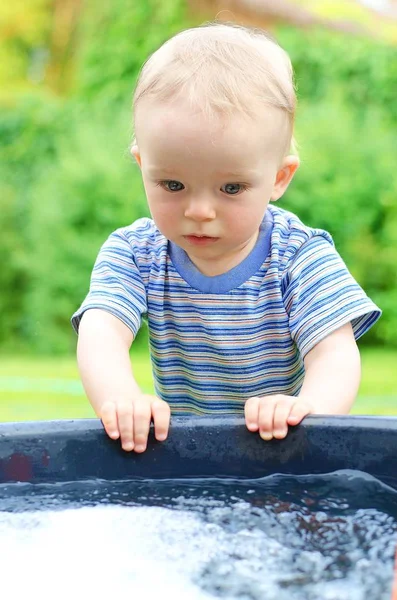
143	237
290	236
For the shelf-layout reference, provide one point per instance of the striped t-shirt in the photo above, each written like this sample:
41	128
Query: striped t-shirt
217	341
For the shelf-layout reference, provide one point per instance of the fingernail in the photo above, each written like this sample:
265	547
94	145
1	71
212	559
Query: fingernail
161	437
139	448
280	433
266	436
252	426
114	434
128	446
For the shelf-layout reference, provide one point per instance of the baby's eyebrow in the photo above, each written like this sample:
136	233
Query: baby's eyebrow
156	170
243	174
225	175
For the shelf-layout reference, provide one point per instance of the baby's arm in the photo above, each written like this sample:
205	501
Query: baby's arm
105	369
332	373
332	379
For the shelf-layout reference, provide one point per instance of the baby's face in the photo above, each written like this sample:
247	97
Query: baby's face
212	179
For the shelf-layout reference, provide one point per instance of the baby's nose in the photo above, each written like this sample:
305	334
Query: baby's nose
200	209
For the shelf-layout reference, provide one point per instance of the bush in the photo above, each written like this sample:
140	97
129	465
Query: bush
91	189
347	185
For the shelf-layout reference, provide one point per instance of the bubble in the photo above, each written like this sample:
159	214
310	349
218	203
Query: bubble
281	537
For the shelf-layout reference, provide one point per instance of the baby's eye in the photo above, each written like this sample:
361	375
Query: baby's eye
233	188
171	185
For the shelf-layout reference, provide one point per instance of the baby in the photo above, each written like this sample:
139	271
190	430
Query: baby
249	310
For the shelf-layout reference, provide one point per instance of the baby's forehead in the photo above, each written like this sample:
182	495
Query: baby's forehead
178	122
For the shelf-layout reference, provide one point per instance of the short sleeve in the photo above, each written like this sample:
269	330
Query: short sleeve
116	285
320	295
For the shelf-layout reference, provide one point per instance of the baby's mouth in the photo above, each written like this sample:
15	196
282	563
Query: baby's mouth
200	239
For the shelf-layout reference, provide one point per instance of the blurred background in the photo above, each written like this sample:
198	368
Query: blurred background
67	72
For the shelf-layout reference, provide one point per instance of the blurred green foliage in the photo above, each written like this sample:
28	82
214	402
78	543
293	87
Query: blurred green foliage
66	179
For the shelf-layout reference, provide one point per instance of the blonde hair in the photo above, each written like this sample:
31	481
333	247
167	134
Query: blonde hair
221	68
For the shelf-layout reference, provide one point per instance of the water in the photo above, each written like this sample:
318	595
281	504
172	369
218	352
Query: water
327	537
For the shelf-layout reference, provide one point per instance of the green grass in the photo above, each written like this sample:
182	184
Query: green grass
35	388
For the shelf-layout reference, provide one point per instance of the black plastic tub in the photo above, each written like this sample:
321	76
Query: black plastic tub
57	451
212	512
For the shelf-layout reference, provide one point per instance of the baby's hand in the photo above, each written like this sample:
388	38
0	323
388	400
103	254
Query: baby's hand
271	415
130	420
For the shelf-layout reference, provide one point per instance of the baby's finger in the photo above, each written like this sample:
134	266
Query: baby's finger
251	412
280	422
108	417
161	413
298	412
266	417
125	419
141	425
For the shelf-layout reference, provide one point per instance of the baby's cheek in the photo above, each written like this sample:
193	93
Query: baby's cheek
242	222
164	213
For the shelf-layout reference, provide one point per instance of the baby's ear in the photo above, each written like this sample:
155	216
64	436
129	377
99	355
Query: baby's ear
284	176
135	153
